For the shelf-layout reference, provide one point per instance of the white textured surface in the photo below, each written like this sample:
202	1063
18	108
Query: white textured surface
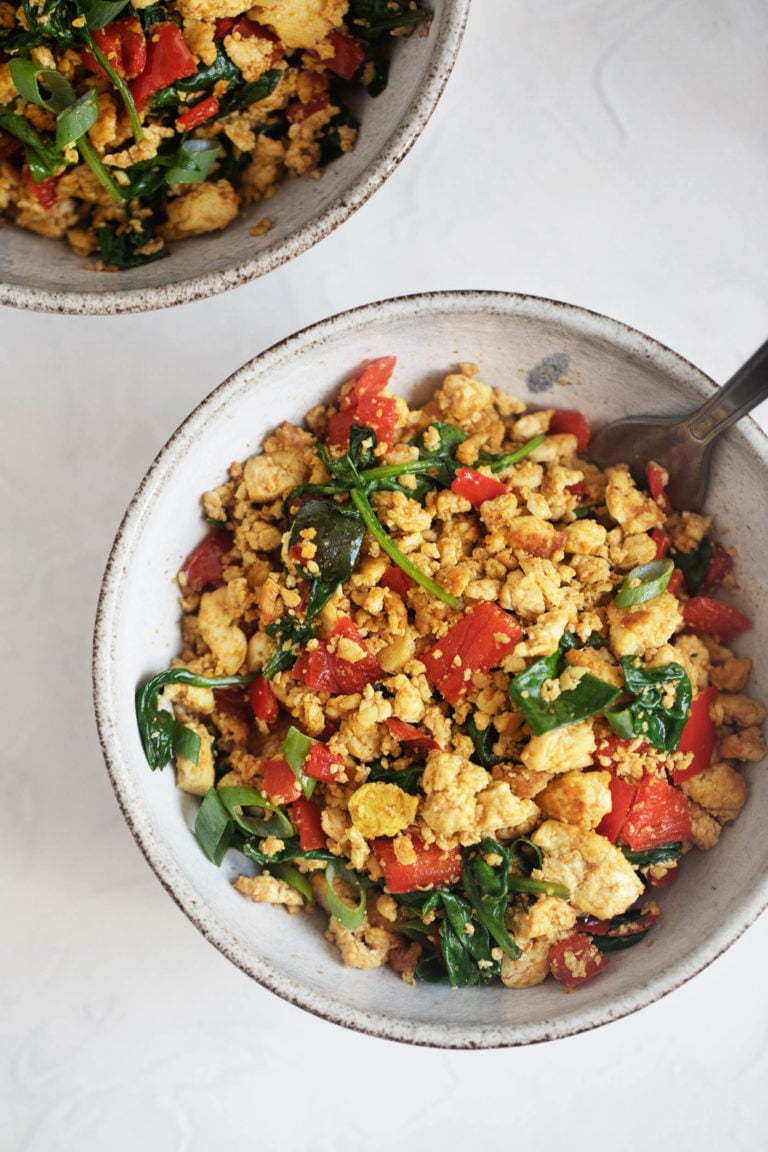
613	155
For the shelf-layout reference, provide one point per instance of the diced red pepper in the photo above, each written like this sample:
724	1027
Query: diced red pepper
474	644
322	669
397	580
698	736
622	795
579	490
263	700
720	564
348	55
125	46
418	742
198	114
665	878
307	820
279	782
662	540
576	423
234	703
44	191
297	111
676	581
658	815
321	763
706	614
168	60
433	866
576	959
205	563
657	484
476	486
223	26
362	404
646	918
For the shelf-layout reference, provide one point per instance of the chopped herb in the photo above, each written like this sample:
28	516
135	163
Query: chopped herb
349	916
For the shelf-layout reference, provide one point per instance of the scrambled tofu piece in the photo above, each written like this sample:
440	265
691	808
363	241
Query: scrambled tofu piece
301	23
561	750
720	790
599	877
271	476
206	207
633	510
635	629
266	889
200	777
578	798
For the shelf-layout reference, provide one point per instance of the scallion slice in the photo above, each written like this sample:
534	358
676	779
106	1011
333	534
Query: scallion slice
539	887
236	798
292	876
349	916
295	748
644	582
213	828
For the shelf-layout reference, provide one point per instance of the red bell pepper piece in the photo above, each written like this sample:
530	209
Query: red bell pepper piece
698	736
263	700
297	112
720	564
168	60
676	581
658	815
197	114
397	580
662	540
706	614
233	703
307	820
279	782
646	918
363	404
348	55
418	742
205	563
125	46
321	763
622	795
576	959
476	486
433	866
44	191
576	423
657	480
478	641
322	669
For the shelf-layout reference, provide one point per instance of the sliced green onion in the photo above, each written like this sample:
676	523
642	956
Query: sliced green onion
499	463
92	159
120	84
644	582
527	855
617	943
646	858
186	742
26	76
236	798
74	121
349	916
213	828
295	749
192	162
99	13
539	887
293	877
361	502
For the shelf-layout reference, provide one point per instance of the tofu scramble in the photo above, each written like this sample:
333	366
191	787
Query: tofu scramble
448	681
126	124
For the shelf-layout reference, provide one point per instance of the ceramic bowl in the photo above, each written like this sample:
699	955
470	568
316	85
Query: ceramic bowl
527	346
45	275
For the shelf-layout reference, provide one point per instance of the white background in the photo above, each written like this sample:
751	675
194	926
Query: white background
610	154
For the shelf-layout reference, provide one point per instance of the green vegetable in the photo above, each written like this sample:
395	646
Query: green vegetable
466	944
350	916
618	943
291	635
122	88
487	887
526	855
291	850
295	748
122	249
507	459
99	13
296	879
162	735
694	564
539	887
235	799
338	537
588	696
214	829
192	162
75	120
482	741
369	19
651	715
43	157
409	779
644	582
646	858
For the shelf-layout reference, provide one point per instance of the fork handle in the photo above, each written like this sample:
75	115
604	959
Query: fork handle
745	389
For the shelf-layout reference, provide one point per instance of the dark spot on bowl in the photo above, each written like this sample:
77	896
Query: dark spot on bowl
547	372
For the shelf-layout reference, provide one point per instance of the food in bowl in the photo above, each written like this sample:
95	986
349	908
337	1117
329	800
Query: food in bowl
125	127
447	679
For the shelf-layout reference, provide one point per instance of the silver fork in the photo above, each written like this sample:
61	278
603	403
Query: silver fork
683	445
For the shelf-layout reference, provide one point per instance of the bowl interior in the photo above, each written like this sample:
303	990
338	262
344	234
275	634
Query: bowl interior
45	274
528	347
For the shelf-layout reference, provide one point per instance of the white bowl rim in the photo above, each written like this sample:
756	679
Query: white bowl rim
434	1035
394	150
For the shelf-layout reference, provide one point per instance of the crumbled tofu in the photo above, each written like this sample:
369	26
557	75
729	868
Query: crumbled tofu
599	877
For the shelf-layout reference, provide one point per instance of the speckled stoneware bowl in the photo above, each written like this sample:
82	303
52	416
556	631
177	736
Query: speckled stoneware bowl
46	276
521	344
